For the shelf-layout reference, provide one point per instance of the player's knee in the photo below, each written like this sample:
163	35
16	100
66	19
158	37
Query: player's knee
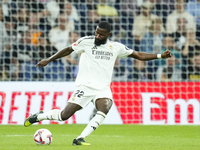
104	105
105	110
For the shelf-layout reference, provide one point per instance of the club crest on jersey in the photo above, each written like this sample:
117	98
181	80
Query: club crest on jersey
111	47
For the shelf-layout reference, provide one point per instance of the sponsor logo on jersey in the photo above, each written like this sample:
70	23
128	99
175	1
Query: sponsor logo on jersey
102	54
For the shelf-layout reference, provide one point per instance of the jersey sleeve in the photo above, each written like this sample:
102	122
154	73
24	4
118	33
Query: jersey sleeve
124	51
78	46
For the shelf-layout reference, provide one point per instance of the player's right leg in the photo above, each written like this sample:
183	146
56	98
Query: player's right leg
54	114
103	106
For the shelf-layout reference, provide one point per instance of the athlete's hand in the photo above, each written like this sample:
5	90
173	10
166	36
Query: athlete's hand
166	54
43	63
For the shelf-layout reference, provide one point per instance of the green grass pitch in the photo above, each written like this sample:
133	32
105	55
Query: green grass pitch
106	137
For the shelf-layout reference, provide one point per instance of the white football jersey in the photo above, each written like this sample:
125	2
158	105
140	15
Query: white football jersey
97	62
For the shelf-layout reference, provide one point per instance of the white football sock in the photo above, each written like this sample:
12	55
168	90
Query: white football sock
54	114
93	124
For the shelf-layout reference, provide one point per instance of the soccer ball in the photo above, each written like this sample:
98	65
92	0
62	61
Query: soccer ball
43	137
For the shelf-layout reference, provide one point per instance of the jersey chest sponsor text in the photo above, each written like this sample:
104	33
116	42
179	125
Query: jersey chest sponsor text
102	54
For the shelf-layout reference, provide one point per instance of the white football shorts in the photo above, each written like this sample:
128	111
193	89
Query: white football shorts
83	95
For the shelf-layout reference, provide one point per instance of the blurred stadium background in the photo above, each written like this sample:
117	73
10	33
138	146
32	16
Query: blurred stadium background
31	30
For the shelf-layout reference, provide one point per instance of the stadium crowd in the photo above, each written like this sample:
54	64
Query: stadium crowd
31	30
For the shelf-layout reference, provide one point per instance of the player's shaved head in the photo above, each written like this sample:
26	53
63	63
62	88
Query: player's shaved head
105	25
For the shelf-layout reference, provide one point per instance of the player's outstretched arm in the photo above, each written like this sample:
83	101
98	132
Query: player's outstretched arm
147	56
59	54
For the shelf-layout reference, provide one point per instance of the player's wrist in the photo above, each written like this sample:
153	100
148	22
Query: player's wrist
159	56
49	59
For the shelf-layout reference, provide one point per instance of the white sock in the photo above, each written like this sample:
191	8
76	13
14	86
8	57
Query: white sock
54	114
93	124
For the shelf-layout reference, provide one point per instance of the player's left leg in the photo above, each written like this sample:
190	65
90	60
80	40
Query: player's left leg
103	106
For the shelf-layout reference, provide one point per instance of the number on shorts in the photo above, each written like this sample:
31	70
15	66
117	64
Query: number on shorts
79	93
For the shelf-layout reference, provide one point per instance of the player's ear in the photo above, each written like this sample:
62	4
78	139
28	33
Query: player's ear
109	34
